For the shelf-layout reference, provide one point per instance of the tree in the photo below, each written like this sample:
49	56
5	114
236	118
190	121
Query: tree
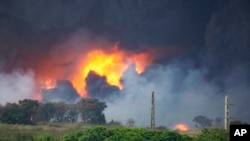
11	114
71	113
237	122
1	110
91	110
21	113
60	112
60	109
114	123
218	121
130	122
45	112
203	121
28	108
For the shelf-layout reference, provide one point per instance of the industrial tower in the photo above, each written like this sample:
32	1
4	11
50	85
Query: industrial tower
153	112
226	118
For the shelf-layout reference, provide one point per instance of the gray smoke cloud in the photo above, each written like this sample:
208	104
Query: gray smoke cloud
16	86
181	93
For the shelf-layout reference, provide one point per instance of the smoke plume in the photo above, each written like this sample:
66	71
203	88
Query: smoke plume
98	87
16	86
64	91
181	93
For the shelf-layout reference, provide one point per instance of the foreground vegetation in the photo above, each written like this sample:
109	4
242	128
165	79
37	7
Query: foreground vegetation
30	120
86	132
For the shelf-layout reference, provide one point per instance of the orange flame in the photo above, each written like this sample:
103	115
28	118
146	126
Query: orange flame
181	127
44	84
112	65
48	84
141	60
109	65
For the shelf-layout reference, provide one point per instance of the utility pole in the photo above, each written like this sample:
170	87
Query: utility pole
226	118
153	112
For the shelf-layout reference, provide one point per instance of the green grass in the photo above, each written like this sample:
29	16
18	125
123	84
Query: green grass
191	133
10	132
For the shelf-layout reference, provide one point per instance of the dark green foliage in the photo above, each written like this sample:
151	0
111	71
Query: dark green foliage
45	112
10	114
92	111
23	137
30	112
125	134
60	109
95	134
214	134
73	136
21	113
46	138
28	108
167	135
71	113
84	132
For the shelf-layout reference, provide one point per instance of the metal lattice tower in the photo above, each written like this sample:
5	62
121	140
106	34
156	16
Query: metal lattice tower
226	118
153	112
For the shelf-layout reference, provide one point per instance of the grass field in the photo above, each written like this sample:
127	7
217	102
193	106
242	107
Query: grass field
9	132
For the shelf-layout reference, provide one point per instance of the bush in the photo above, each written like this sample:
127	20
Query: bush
46	138
23	137
125	134
73	136
213	134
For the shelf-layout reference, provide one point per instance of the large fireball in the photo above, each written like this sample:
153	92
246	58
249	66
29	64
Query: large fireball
110	64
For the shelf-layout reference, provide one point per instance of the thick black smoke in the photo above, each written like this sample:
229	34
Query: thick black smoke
212	32
64	91
98	87
211	40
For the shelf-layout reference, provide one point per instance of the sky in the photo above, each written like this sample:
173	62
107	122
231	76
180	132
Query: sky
199	50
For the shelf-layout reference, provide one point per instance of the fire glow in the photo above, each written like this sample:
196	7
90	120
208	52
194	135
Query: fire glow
48	84
110	64
181	127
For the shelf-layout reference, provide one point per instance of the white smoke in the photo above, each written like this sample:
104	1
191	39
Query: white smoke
181	93
16	86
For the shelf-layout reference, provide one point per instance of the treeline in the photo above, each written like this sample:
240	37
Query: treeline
31	111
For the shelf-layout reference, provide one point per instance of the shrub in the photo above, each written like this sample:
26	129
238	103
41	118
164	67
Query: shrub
213	134
23	137
46	138
125	134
